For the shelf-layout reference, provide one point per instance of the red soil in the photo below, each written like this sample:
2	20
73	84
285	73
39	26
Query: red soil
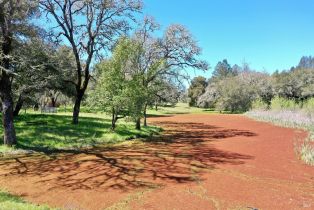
202	162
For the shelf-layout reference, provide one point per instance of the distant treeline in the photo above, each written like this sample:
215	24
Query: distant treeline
237	88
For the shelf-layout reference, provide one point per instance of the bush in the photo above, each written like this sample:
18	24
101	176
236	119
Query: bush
235	95
279	103
308	105
259	104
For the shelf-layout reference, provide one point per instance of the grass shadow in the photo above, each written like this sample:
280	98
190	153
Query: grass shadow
42	132
6	197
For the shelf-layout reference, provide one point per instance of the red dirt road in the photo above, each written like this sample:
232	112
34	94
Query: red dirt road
202	162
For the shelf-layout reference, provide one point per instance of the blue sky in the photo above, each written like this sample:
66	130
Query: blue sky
268	34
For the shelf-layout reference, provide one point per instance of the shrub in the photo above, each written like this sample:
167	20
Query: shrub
279	103
235	95
259	104
308	105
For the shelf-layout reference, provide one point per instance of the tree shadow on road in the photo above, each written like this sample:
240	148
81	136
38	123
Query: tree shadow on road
183	154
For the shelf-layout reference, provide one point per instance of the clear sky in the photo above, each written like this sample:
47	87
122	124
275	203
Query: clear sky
268	34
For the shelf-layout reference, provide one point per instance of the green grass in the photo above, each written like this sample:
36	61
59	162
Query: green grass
12	202
37	131
180	108
5	149
55	131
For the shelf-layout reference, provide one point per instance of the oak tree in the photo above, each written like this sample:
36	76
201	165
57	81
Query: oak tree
88	27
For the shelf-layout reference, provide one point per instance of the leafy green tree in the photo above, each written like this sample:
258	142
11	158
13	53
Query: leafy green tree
296	84
223	70
43	72
137	98
210	96
161	92
152	61
305	82
196	89
89	37
165	58
167	92
235	95
35	71
16	26
116	90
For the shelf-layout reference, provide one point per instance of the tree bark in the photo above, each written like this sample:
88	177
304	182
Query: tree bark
18	106
113	120
9	137
54	99
145	115
36	107
53	102
138	124
77	107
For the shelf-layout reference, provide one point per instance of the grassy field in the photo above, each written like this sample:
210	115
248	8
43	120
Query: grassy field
180	108
54	131
12	202
37	132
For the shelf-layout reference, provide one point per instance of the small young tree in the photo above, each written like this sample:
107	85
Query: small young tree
108	93
114	90
137	96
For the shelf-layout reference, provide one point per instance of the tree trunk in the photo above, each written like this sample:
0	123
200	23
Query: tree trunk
113	120
156	105
18	106
54	98
113	123
9	137
138	124
53	102
7	121
36	107
77	107
145	116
